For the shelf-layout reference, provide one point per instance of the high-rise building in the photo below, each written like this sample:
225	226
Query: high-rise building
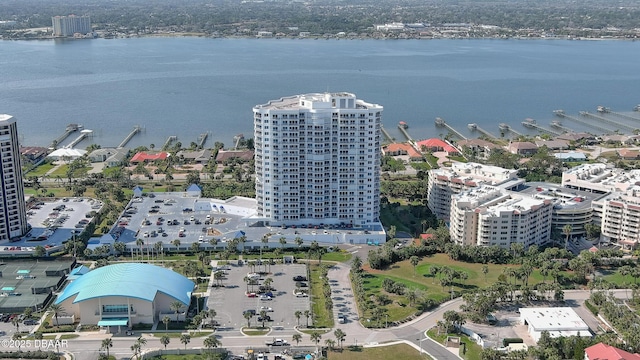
13	217
492	216
68	25
445	182
317	160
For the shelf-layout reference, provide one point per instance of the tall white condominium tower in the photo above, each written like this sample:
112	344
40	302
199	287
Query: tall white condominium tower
69	25
13	217
318	160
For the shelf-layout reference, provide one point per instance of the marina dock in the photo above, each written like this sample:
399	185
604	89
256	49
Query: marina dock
608	121
402	126
202	139
532	124
441	123
237	139
505	128
556	124
386	134
561	114
170	140
71	128
133	132
83	134
474	127
606	110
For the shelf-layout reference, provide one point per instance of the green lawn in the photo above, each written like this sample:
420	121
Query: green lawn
322	317
40	170
338	256
422	279
256	331
392	352
473	350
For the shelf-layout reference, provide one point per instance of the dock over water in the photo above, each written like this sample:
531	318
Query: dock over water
606	110
608	121
133	132
441	123
386	134
169	141
202	139
474	127
71	128
562	114
83	134
505	128
402	126
532	124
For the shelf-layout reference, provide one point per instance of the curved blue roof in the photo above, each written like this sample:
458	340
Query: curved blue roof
141	281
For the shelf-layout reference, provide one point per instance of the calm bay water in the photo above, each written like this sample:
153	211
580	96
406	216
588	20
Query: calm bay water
188	86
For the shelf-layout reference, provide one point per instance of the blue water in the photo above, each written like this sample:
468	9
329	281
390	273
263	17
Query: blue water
188	86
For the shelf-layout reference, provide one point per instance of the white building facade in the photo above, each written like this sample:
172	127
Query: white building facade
68	25
491	216
13	217
317	160
444	182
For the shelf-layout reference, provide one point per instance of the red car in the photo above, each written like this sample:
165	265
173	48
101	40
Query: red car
251	295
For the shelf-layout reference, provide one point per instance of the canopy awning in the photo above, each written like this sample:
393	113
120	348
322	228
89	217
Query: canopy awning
113	322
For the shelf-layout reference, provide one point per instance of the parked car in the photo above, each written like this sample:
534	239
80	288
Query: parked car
30	322
250	311
301	284
266	308
266	318
342	319
265	298
299	278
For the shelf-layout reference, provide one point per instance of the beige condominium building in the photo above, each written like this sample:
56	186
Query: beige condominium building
13	217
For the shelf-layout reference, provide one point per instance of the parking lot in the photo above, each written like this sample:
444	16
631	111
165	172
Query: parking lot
53	223
231	300
166	217
7	329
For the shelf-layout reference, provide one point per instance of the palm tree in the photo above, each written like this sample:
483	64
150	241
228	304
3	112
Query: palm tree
176	306
297	338
298	314
185	339
316	337
57	309
141	342
268	282
248	315
265	241
166	320
330	343
165	340
16	322
157	247
340	336
176	243
136	348
243	240
16	338
213	242
307	313
485	271
566	230
283	241
139	243
246	280
107	344
211	342
263	316
298	240
414	261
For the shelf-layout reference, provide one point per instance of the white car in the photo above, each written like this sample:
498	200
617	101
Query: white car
201	238
265	298
266	308
301	295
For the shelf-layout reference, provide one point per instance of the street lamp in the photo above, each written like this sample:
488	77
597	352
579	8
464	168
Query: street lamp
421	333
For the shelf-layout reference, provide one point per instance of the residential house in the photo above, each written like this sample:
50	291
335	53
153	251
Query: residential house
571	156
603	351
437	145
404	149
33	154
628	154
110	156
481	149
557	144
524	148
195	157
245	155
146	157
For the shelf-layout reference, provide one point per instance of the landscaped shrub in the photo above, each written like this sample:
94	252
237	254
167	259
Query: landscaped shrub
591	307
26	355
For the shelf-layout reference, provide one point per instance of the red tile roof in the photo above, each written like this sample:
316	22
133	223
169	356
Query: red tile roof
605	352
144	156
402	148
435	143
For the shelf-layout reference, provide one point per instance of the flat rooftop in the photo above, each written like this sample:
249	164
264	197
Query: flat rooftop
553	319
21	278
563	198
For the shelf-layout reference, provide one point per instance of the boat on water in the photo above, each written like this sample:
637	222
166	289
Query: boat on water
403	125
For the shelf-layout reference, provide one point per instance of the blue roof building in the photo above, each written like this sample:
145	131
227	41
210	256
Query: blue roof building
126	294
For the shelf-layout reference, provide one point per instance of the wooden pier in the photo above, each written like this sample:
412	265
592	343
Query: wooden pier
606	110
532	124
237	139
403	129
202	139
505	128
558	125
608	121
83	134
386	134
71	128
170	140
561	114
474	127
133	133
441	123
